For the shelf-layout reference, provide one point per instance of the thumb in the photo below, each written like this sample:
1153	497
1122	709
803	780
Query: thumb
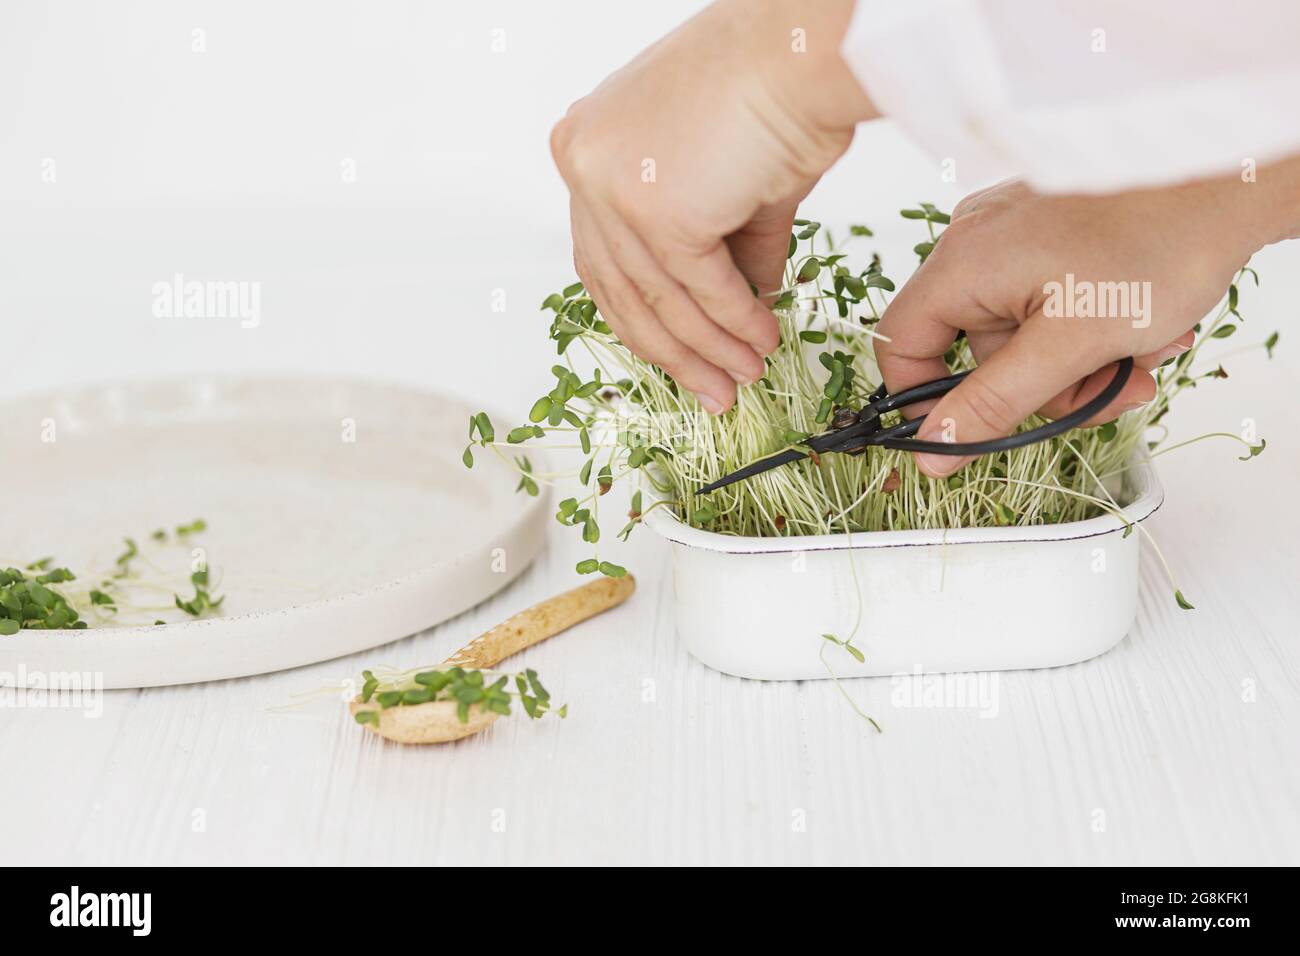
921	322
1035	365
759	248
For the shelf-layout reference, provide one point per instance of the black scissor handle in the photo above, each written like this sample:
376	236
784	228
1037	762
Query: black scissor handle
898	437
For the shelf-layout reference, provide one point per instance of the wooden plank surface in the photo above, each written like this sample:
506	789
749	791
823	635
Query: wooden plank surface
1151	753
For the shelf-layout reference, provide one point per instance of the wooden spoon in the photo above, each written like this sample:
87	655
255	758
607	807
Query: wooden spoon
438	722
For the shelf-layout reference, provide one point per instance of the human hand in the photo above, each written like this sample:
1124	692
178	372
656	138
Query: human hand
685	168
1015	269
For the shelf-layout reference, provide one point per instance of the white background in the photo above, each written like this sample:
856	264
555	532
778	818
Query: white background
227	164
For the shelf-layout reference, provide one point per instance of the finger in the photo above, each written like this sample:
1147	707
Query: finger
594	268
761	247
711	278
1137	391
1032	368
622	307
1174	349
921	323
984	344
676	310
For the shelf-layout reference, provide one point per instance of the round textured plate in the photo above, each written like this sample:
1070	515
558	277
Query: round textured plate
339	518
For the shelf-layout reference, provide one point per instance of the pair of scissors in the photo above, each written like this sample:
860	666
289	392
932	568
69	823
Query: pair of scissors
853	432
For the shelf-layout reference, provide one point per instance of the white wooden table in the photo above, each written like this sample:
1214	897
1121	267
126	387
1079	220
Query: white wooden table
1179	746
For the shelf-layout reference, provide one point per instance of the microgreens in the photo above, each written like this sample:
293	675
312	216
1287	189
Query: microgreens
126	557
633	423
853	651
931	216
466	688
848	645
29	602
202	600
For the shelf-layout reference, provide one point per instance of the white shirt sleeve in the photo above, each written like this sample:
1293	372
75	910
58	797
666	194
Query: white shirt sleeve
1094	96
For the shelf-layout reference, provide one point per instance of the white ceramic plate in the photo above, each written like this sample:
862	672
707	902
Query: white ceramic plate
340	518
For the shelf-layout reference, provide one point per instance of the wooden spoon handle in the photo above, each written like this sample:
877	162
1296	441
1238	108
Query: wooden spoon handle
542	621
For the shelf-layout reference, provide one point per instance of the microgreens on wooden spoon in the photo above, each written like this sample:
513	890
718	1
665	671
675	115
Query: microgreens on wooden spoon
464	688
463	695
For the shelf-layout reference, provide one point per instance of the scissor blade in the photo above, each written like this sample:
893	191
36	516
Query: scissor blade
749	471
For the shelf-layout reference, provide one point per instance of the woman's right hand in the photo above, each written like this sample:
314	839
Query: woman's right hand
1011	259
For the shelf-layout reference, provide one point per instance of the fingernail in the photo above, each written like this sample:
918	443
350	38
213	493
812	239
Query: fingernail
741	378
939	466
1134	406
711	404
1170	352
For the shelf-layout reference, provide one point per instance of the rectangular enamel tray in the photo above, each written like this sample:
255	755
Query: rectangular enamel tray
969	599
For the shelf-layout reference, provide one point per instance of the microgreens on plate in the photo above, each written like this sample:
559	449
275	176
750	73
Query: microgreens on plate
30	600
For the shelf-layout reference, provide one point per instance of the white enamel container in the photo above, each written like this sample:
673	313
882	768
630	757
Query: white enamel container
972	599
